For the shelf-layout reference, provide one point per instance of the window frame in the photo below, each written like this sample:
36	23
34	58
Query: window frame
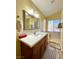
53	24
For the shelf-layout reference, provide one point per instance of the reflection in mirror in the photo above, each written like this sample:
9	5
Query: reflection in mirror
30	22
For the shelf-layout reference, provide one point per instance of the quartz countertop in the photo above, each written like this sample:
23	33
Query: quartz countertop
33	39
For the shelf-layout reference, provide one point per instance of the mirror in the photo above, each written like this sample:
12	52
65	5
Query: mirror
30	22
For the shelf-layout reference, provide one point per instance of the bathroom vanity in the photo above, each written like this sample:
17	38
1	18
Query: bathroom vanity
33	46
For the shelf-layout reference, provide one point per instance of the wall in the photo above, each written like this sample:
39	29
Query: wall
55	15
61	43
18	48
25	5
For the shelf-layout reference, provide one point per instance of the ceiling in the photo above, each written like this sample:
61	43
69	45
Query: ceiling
48	7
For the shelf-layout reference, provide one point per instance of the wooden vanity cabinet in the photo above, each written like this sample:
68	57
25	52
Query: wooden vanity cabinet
35	52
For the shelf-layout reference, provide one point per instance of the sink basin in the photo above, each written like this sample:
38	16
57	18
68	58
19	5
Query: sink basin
35	35
39	33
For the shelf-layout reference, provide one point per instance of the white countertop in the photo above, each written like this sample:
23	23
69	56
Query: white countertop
32	39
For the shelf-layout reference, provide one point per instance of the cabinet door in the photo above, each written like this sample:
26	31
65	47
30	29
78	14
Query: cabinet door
43	45
36	55
26	52
42	49
36	52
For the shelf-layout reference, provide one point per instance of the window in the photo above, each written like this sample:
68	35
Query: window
53	25
50	26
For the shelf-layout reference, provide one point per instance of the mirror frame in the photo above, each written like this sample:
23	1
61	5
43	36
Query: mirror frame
24	20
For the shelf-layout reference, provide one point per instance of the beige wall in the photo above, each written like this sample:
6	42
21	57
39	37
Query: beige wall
54	35
55	15
18	48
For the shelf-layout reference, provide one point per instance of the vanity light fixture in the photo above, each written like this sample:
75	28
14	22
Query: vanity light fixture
31	12
36	15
